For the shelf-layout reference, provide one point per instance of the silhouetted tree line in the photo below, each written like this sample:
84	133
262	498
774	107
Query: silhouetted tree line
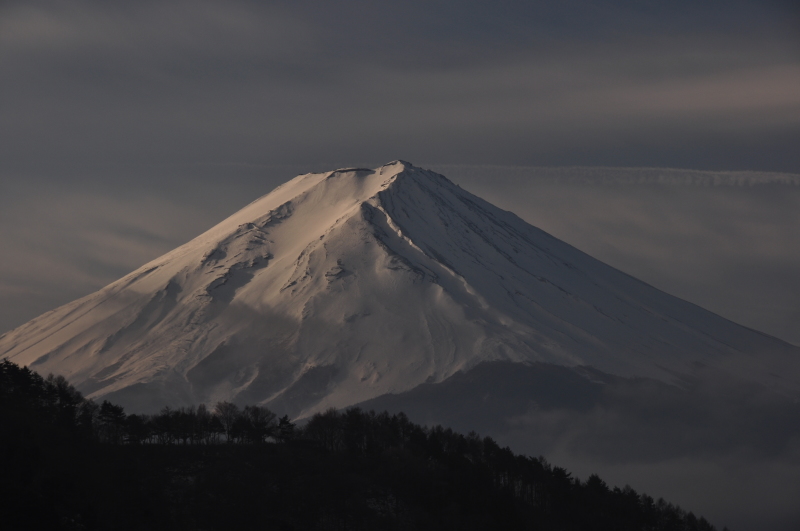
27	396
198	425
68	463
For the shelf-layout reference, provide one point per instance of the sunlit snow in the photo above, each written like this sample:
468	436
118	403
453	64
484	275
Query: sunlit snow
343	286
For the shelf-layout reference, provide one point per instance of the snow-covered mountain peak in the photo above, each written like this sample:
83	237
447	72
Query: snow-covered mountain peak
342	286
399	163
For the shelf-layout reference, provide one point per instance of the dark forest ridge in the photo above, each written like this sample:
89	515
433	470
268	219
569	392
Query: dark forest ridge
71	464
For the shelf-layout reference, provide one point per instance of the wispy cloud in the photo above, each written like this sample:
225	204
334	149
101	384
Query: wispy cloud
622	176
580	82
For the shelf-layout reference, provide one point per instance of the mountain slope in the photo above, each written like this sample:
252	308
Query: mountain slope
340	287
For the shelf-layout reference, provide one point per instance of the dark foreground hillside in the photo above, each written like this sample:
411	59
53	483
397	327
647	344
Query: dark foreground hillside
68	463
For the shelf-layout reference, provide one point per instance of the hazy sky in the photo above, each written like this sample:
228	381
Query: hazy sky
94	87
128	127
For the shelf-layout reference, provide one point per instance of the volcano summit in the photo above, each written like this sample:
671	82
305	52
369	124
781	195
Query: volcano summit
340	287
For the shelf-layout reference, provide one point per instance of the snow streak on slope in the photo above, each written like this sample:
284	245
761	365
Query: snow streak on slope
339	287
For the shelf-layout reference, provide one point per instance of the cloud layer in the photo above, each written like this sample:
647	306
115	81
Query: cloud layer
695	85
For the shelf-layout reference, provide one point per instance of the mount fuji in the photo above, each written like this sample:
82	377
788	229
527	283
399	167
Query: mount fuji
343	287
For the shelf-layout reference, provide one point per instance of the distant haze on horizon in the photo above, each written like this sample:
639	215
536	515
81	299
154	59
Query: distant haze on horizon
128	128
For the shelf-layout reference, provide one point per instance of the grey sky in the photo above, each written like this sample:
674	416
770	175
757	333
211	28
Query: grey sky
112	85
